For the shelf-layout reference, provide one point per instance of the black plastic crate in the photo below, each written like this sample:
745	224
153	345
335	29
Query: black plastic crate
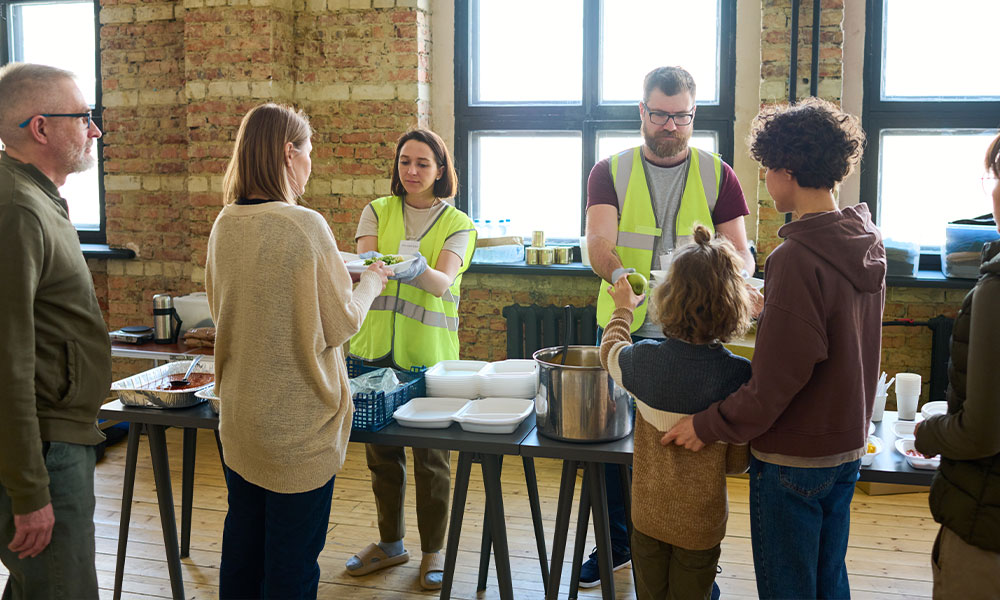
374	411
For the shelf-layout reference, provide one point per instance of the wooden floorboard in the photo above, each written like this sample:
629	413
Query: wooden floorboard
888	556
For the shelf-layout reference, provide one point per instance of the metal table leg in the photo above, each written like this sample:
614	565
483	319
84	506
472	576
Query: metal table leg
131	457
582	520
531	482
599	504
498	524
567	487
187	488
165	499
455	525
486	547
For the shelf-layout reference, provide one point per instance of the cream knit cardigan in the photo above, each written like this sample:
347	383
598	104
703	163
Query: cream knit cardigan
283	307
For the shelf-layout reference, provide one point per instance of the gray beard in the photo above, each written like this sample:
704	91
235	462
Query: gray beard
78	163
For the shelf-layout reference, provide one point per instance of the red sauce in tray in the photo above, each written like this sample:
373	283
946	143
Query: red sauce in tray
196	380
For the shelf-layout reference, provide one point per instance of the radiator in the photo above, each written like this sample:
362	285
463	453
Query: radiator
941	327
532	327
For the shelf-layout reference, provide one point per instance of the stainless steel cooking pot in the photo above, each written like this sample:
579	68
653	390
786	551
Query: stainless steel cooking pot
578	401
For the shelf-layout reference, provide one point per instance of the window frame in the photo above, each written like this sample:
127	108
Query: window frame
87	236
918	114
590	116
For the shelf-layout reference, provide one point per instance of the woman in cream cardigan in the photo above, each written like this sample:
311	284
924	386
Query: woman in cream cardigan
283	305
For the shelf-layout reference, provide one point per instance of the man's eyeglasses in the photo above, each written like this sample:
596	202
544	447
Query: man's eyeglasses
989	183
85	115
657	117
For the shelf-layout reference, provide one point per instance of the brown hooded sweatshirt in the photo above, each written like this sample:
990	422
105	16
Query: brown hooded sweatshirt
816	358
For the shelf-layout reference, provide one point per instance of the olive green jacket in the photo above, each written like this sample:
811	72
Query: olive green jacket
965	495
55	355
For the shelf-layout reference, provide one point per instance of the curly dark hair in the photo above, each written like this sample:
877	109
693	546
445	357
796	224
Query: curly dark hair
705	298
814	140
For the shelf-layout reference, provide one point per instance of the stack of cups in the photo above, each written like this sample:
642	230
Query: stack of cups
907	395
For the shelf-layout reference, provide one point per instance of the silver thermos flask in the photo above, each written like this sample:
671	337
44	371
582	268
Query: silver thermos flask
164	313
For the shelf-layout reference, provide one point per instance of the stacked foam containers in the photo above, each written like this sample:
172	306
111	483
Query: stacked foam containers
481	397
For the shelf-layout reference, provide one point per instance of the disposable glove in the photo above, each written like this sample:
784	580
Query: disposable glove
369	254
412	271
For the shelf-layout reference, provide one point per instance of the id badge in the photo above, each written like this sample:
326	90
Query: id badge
409	247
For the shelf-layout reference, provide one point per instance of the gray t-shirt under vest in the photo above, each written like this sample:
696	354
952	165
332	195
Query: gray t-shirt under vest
666	186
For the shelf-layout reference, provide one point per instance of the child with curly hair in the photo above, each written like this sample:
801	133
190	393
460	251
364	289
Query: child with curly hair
679	505
807	407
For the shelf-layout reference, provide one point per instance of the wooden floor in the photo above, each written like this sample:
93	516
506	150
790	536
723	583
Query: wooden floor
890	540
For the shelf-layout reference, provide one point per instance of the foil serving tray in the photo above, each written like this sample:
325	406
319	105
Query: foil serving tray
134	390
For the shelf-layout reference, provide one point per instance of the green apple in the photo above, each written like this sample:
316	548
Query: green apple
639	284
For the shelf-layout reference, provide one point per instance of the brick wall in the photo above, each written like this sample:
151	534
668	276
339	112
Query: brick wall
179	75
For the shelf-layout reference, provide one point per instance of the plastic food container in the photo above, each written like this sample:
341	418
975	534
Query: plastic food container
489	415
136	390
917	462
494	415
429	413
512	378
454	379
902	258
869	457
938	407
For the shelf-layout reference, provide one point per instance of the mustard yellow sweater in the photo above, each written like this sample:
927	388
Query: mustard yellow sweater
283	305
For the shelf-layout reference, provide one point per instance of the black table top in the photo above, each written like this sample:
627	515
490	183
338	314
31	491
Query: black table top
200	416
539	446
450	438
889	466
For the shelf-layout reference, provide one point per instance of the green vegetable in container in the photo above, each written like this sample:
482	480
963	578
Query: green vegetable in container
388	259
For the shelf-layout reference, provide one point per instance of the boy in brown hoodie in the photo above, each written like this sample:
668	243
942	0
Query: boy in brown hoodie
806	409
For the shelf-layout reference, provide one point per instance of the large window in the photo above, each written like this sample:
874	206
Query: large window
64	34
545	89
932	104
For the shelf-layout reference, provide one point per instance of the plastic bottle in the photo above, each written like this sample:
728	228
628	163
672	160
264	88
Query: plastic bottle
489	230
502	227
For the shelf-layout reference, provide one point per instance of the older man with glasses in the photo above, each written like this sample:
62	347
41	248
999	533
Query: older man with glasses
641	204
55	355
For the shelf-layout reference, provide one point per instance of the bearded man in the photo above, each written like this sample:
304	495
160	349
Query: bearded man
643	203
55	355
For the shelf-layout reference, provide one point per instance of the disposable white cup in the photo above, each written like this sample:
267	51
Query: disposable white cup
665	260
879	408
907	384
584	255
907	406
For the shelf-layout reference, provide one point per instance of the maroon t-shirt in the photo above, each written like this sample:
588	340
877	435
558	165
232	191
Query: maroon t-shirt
731	204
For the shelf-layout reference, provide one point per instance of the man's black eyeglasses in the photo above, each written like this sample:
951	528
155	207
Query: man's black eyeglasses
88	115
657	117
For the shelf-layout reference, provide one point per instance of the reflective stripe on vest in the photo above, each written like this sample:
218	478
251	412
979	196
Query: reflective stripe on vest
637	230
412	326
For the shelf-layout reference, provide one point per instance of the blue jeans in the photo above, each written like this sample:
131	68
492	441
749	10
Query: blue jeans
799	522
271	541
65	568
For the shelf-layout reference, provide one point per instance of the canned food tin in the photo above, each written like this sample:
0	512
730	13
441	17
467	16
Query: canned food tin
537	239
531	255
546	255
562	255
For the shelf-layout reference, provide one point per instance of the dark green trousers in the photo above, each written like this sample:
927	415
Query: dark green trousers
666	571
432	478
65	568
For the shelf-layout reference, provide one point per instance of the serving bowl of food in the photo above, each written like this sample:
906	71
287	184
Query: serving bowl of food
872	449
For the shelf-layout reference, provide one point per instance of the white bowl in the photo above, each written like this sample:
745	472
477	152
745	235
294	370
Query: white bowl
876	441
429	413
917	462
904	429
931	409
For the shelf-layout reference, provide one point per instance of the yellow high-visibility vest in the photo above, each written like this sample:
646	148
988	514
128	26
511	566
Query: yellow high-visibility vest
637	230
414	327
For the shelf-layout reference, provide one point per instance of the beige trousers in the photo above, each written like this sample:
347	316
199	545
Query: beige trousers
432	478
962	570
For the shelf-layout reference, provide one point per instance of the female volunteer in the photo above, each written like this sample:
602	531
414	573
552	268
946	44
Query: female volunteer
413	323
283	305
